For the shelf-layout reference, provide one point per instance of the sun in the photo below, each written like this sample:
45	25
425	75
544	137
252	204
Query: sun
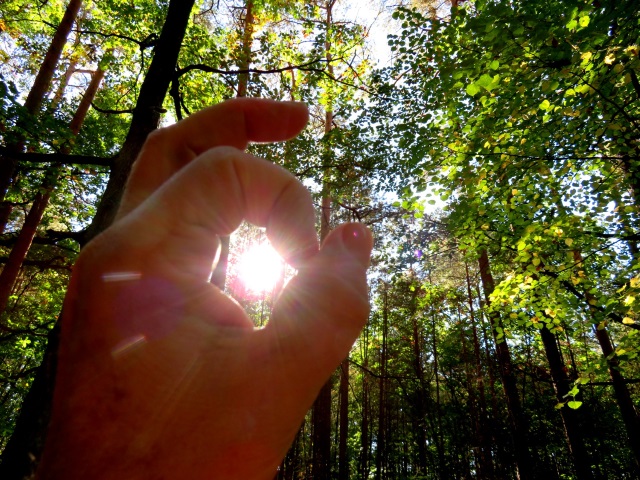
260	268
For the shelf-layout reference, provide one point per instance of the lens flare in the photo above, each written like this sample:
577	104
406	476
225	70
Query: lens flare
260	268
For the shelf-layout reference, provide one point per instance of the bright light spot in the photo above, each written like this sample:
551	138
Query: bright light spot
260	268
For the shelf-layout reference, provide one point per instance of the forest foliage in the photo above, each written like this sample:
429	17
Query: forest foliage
495	155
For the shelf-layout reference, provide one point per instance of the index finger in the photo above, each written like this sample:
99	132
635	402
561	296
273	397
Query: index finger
233	123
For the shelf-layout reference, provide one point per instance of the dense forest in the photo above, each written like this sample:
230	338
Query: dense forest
495	154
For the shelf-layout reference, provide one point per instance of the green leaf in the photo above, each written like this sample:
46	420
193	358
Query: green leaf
472	89
574	404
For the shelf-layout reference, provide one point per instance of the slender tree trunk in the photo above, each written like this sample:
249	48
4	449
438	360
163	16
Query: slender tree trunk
420	400
71	68
343	458
219	274
519	428
484	435
322	405
41	201
623	397
381	467
570	417
25	237
34	100
146	115
442	459
472	404
25	446
365	442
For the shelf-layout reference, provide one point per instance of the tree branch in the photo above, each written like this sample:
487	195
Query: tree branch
632	236
111	112
610	315
43	264
208	69
59	158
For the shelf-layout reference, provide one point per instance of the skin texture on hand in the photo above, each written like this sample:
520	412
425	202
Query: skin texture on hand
161	375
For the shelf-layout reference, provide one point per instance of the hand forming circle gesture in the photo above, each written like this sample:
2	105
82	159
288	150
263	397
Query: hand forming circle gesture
161	375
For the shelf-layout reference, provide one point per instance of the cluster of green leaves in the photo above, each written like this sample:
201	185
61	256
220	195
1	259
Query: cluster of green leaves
523	118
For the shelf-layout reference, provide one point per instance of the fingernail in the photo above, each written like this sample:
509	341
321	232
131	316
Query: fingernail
359	241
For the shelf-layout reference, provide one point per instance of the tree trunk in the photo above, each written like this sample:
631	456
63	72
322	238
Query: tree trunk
34	100
146	115
625	403
219	274
519	428
422	389
365	442
623	397
28	437
25	237
442	459
482	429
570	417
322	406
41	201
343	458
381	467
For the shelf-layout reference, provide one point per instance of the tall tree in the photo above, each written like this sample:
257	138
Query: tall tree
23	450
41	200
34	100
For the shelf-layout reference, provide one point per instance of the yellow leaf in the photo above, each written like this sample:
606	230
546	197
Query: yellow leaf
629	300
634	282
628	321
609	59
568	241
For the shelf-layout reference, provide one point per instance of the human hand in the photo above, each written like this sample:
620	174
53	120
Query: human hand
161	375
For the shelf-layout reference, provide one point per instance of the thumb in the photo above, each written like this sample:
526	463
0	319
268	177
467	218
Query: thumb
323	309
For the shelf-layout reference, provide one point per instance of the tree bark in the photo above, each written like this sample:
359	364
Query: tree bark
41	201
28	437
219	274
146	115
381	464
570	417
519	427
365	442
486	469
623	397
322	406
34	100
422	389
343	458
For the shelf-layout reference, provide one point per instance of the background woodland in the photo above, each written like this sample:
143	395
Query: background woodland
494	153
